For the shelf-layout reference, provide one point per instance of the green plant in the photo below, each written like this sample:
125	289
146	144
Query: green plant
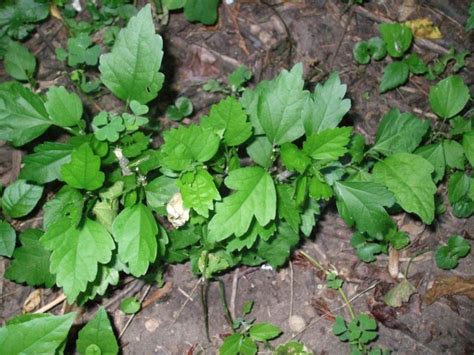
18	17
203	11
396	40
447	256
182	108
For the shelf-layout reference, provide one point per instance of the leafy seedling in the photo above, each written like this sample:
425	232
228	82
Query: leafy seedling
130	305
183	107
447	257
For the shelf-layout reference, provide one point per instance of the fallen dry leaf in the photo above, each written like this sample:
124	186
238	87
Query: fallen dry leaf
32	301
424	28
448	286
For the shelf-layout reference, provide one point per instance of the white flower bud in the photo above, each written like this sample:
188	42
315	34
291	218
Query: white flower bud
178	215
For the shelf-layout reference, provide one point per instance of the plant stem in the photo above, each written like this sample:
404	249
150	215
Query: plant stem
205	309
228	316
346	301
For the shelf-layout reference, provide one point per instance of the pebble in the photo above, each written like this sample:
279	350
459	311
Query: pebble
296	323
151	325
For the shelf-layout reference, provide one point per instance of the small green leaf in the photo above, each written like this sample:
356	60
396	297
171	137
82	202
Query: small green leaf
261	151
30	262
339	326
43	335
135	231
397	38
413	189
468	145
229	116
98	331
127	70
83	172
277	249
434	153
449	96
20	198
361	53
81	51
130	305
264	331
454	154
447	257
459	185
159	191
138	109
7	239
377	48
333	281
394	75
329	144
239	76
231	345
64	108
287	207
186	145
19	62
293	158
416	64
107	128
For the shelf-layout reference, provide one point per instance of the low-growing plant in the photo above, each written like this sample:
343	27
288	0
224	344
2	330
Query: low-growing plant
242	187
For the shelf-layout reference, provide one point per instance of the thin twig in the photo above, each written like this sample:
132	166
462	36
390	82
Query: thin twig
133	287
292	289
186	302
339	43
52	304
130	320
158	295
233	295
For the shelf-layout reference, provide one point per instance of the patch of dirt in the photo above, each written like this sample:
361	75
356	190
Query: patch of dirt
268	36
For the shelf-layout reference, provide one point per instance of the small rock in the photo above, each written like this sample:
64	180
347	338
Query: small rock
297	323
151	325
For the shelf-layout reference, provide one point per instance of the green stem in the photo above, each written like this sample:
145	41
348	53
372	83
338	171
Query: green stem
228	316
205	309
346	301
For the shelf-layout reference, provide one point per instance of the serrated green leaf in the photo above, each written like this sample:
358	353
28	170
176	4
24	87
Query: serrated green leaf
394	75
239	76
23	116
399	132
468	145
293	158
416	64
277	249
251	236
30	262
81	51
19	62
130	305
83	171
42	335
279	106
413	188
434	153
198	190
64	108
204	11
44	165
287	207
76	252
459	125
98	331
453	154
229	116
67	204
327	107
135	231
329	144
449	96
459	185
264	331
261	151
397	38
131	69
106	275
7	239
364	203
186	145
255	196
20	197
308	217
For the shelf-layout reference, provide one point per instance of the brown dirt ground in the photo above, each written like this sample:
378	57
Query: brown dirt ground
267	36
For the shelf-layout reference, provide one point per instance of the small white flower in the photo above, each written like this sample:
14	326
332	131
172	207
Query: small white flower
178	215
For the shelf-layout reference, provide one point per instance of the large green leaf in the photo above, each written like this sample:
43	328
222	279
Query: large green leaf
135	232
98	331
408	177
280	104
83	171
23	116
131	70
43	335
198	190
364	203
229	117
449	96
329	144
44	165
19	62
20	198
30	262
7	239
264	331
185	145
399	132
327	107
255	196
64	108
76	253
